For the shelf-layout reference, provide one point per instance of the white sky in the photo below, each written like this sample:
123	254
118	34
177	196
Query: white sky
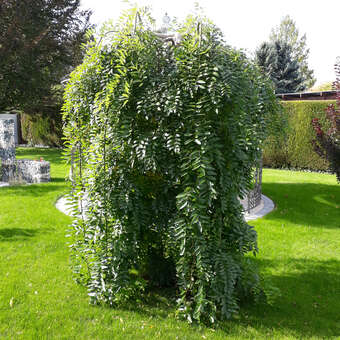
247	23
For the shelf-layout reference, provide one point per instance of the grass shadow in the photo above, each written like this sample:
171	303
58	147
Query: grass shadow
17	234
57	180
155	302
309	304
310	204
34	190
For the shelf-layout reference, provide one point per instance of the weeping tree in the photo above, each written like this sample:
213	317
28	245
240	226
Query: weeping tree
164	137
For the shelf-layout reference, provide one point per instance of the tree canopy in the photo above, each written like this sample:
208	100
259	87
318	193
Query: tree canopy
39	44
164	137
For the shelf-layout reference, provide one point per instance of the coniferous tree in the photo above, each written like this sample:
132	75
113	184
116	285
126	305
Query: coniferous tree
265	58
39	44
288	33
277	61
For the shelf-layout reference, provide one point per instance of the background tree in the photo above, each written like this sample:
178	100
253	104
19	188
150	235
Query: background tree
277	62
288	33
327	144
39	44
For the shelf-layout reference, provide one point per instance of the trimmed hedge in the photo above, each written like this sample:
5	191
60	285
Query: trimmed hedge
290	146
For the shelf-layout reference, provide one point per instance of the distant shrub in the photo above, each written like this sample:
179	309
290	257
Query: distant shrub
327	143
42	128
289	146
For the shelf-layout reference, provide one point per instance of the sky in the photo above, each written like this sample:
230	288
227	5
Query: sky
247	23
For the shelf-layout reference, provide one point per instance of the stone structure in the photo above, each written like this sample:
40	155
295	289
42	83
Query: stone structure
18	170
7	142
15	117
26	170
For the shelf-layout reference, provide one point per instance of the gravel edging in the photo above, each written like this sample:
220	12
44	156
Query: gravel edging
266	206
62	205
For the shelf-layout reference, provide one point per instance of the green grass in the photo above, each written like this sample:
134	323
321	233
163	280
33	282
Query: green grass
299	252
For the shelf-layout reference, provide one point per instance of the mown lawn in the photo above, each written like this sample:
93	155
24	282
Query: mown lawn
299	252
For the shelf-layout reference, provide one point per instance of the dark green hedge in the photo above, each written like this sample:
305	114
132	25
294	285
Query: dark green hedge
290	146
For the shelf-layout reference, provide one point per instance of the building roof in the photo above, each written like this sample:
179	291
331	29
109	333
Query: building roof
323	95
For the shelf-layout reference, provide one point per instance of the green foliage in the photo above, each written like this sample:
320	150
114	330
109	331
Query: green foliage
164	139
327	143
42	128
278	63
39	44
291	147
288	33
44	125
